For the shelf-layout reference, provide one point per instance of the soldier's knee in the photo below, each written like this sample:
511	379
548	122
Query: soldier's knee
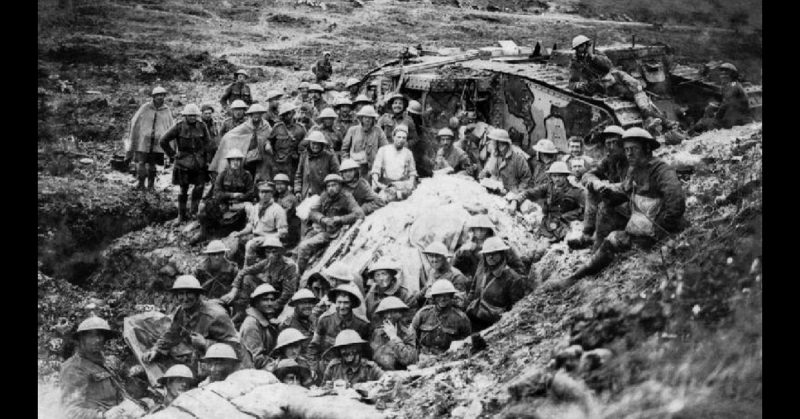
618	241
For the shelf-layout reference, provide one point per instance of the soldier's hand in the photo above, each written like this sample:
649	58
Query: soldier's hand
115	412
149	356
298	196
390	330
227	298
198	340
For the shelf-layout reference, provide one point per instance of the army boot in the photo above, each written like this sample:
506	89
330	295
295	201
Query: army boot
182	216
599	260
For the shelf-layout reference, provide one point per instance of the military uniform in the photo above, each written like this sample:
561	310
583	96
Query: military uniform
328	327
322	70
265	220
387	122
393	354
229	124
362	146
364	195
236	90
561	206
735	108
259	336
341	126
494	291
452	274
434	330
282	275
88	388
311	172
285	142
585	72
511	169
376	295
455	158
361	372
216	282
342	207
468	259
193	147
304	326
611	169
213	215
289	203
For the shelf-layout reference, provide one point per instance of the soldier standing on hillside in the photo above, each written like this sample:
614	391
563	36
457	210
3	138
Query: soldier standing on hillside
148	124
323	69
237	90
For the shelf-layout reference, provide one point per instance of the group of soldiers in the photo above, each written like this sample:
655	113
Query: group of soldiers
335	325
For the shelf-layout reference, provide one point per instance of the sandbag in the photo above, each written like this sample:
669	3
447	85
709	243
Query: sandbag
205	404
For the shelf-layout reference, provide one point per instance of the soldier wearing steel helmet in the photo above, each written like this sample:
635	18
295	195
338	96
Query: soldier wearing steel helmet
735	108
546	155
561	201
89	387
450	157
387	282
352	87
358	186
361	143
587	66
289	371
290	346
325	125
315	92
437	325
259	330
238	90
345	118
220	215
237	110
350	365
221	360
303	318
323	69
177	380
438	256
496	287
264	219
392	343
285	139
215	272
315	164
360	101
192	154
468	257
610	170
505	164
207	118
345	298
273	103
335	211
196	325
148	124
275	269
287	199
656	203
395	115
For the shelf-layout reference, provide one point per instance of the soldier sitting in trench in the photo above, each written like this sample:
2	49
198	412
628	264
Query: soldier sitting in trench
468	258
392	343
220	361
656	206
176	380
291	345
349	364
259	329
386	282
216	273
437	325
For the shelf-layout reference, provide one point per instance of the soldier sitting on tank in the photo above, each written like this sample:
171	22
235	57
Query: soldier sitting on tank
349	364
505	164
359	187
656	204
592	73
496	286
220	361
386	282
562	202
610	170
89	388
196	325
216	273
468	258
392	343
449	157
437	325
437	256
333	213
224	212
259	330
176	380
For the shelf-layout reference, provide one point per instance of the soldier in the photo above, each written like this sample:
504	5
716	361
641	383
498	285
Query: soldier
360	101
216	273
610	170
196	325
319	285
422	147
577	162
449	157
396	115
148	124
288	201
288	371
437	325
285	139
208	118
361	143
273	101
496	286
231	188
437	255
291	346
394	170
237	90
345	298
192	153
221	361
561	202
315	164
315	92
303	318
302	96
237	110
506	165
333	142
359	187
89	388
735	109
546	154
345	119
385	274
656	201
260	327
307	116
468	257
276	269
350	365
323	69
334	210
267	218
251	138
392	343
176	380
351	86
471	144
